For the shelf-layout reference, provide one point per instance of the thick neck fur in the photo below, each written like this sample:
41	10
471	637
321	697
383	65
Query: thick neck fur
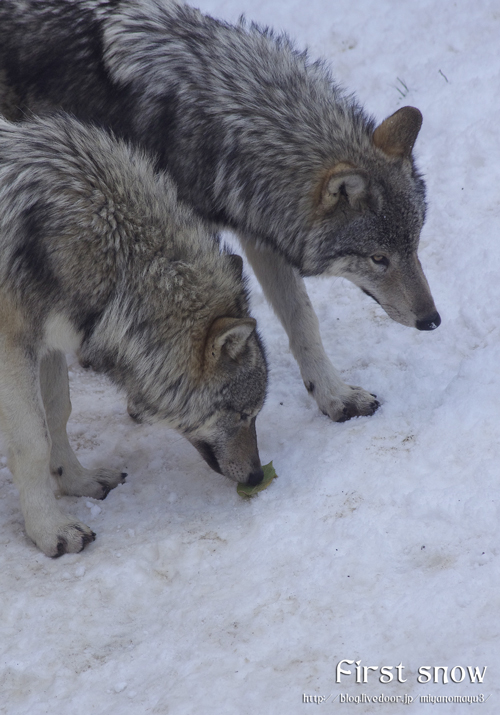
152	342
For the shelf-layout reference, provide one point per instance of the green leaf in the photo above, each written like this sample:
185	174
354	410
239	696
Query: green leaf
269	474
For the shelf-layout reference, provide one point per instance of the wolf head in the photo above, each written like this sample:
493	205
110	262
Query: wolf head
369	211
235	375
215	400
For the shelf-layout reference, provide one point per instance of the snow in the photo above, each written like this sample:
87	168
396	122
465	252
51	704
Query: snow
379	542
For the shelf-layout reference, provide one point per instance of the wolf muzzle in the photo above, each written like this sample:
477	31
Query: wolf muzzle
206	450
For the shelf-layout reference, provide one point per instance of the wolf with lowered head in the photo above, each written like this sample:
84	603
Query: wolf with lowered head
97	255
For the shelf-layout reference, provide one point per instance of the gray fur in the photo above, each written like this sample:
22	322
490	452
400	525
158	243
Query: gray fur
97	255
257	138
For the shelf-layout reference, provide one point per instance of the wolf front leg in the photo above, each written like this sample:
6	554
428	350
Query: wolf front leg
285	290
23	420
73	479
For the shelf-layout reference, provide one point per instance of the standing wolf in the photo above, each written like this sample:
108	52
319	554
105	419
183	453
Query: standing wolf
258	140
97	255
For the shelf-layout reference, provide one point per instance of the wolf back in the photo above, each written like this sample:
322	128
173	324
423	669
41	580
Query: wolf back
257	138
97	254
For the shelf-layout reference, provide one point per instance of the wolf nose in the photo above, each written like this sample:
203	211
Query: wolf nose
255	478
430	323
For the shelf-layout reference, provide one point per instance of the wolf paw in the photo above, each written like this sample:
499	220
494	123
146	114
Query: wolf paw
105	480
73	539
95	483
352	402
358	403
64	538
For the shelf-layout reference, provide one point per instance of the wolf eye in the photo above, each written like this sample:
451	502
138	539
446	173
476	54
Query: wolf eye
380	260
244	416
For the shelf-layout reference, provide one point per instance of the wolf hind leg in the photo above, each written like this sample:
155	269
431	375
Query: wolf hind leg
24	423
72	478
285	290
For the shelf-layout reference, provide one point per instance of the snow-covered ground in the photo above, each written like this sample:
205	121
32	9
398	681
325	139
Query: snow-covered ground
379	542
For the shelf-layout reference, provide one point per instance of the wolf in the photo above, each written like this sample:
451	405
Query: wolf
259	140
98	255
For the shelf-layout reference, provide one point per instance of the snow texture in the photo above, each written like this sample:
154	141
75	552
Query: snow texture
379	541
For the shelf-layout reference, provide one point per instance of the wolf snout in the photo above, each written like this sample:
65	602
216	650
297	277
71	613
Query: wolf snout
255	478
431	322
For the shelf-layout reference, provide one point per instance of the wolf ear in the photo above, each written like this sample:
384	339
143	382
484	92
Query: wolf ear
229	336
397	134
345	182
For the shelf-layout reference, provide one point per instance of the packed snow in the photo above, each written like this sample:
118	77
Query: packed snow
378	544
